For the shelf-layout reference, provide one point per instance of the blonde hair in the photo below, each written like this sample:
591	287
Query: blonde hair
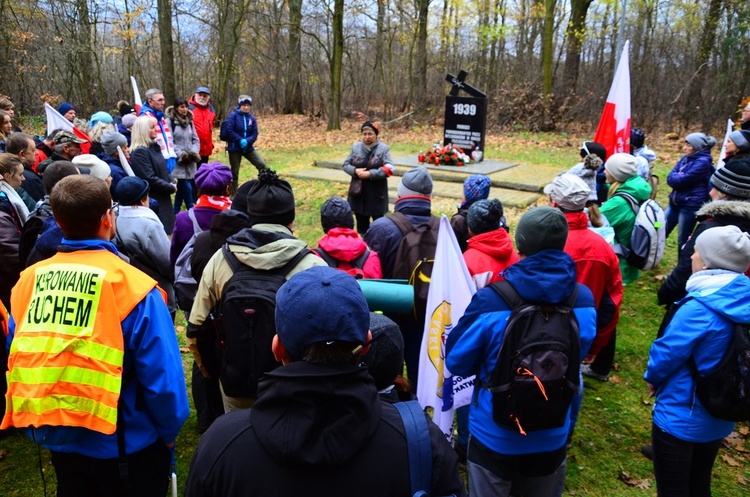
3	136
140	131
613	189
98	130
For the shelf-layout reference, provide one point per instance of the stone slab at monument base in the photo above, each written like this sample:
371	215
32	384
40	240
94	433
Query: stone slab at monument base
486	166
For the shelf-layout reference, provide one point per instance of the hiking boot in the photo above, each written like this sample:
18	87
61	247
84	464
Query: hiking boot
648	451
587	371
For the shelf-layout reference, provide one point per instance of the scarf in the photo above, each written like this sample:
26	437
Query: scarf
15	200
708	281
218	202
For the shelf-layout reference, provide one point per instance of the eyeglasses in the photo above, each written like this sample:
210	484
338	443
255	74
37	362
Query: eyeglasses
160	100
115	210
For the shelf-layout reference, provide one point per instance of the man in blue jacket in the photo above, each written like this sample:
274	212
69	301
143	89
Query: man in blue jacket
93	343
240	130
500	458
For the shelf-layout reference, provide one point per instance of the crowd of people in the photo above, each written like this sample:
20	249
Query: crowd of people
296	384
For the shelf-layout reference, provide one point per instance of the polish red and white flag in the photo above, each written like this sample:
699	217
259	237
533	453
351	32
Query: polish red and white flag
55	120
137	102
614	126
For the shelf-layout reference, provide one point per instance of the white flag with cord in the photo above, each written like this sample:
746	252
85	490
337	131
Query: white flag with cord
723	153
137	103
614	126
451	289
124	162
55	120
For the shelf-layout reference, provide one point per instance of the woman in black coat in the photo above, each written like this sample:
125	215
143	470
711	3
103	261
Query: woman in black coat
369	162
148	163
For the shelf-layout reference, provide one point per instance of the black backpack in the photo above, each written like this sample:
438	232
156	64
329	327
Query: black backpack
415	257
537	369
725	392
356	265
32	229
245	326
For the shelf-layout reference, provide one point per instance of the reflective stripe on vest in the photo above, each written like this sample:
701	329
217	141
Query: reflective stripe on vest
66	358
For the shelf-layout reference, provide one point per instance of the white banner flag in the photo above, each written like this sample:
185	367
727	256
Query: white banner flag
614	126
55	120
723	153
451	289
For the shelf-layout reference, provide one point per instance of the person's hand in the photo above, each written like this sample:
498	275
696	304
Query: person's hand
243	143
174	185
589	359
651	390
362	173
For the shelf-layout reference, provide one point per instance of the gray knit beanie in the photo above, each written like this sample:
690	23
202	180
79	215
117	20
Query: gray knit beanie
741	139
724	247
541	228
111	140
416	181
699	141
621	166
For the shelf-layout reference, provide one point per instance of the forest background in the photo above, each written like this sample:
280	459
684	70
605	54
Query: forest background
545	64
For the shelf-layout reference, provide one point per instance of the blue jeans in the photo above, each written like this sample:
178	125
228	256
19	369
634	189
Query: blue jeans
184	194
684	219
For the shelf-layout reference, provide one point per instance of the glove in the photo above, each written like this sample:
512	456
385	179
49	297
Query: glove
243	143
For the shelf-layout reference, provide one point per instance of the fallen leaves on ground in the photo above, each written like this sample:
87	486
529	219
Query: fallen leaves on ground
735	441
731	461
634	482
3	453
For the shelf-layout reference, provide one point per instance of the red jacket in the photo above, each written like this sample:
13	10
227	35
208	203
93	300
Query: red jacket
203	120
489	253
345	245
598	268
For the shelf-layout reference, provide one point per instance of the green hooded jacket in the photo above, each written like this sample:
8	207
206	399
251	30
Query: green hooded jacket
622	218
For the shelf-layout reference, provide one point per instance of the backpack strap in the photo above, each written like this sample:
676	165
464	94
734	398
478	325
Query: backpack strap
360	261
402	222
634	204
418	444
294	261
196	227
507	293
330	260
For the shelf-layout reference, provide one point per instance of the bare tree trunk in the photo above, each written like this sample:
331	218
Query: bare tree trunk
293	89
420	72
547	46
164	8
575	35
693	102
85	63
337	55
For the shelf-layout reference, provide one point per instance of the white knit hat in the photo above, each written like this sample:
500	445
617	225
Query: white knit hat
621	166
724	247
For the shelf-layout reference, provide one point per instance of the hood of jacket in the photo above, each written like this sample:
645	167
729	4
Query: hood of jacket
731	301
734	212
315	414
265	246
343	244
549	276
496	243
637	187
183	122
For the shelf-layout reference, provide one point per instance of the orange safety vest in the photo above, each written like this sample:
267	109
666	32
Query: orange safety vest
3	320
66	357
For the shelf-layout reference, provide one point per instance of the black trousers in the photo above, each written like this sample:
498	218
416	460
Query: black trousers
606	357
682	469
84	476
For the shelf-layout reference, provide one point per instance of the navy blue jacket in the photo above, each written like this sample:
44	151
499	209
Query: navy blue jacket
237	126
384	237
689	179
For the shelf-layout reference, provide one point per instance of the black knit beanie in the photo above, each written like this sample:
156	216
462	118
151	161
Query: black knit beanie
733	179
371	125
270	200
385	358
485	216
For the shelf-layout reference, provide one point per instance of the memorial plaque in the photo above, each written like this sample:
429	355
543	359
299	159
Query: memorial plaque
465	117
465	122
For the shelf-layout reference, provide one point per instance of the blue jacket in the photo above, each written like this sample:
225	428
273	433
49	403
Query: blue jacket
548	276
116	171
701	328
689	179
154	397
237	126
384	237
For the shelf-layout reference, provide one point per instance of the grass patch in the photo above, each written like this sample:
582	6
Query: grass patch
616	416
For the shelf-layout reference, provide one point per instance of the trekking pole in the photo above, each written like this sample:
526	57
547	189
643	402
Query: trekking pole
173	477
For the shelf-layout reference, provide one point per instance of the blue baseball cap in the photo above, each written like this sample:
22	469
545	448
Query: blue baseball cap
203	89
320	304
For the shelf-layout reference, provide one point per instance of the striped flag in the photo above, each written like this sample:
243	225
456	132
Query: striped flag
614	126
451	289
137	103
55	120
